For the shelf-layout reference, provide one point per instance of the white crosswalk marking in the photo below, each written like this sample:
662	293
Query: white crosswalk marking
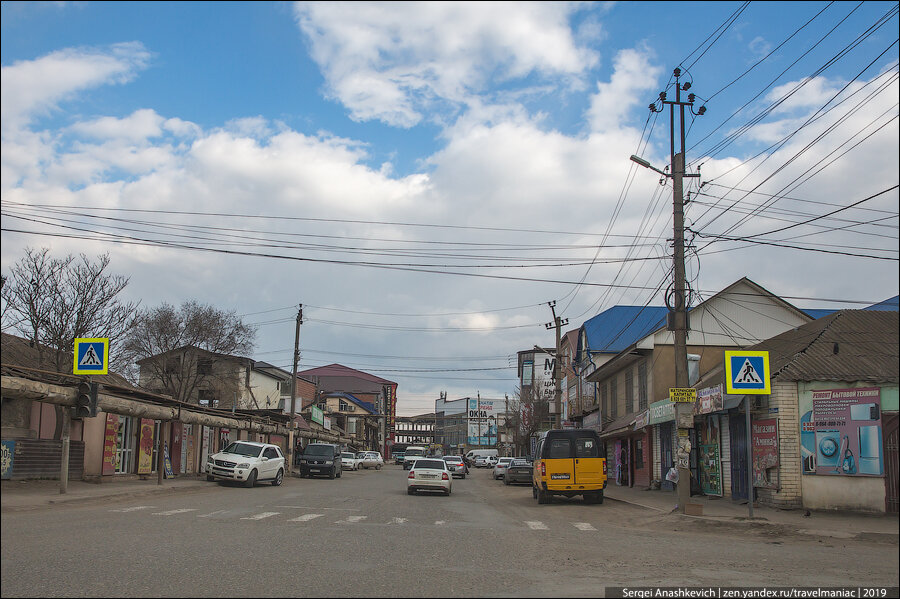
536	525
439	522
583	526
353	519
261	516
306	517
398	520
211	514
133	509
173	512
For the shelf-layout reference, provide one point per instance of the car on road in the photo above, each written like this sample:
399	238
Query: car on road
491	461
500	467
456	466
248	462
350	461
398	457
321	458
480	461
519	470
413	453
429	474
370	459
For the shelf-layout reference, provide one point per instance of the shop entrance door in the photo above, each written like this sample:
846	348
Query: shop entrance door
125	436
666	457
738	429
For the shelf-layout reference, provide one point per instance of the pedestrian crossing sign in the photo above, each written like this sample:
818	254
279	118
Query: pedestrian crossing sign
747	373
91	356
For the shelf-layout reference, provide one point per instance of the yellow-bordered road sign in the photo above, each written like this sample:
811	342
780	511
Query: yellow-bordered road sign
91	356
747	373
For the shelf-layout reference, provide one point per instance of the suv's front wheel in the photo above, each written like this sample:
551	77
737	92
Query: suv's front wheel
251	479
331	473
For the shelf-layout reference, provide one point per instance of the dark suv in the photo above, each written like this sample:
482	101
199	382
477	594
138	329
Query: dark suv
321	458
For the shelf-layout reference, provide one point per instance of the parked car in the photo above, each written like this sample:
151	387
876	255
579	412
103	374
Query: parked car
500	467
247	462
398	457
563	458
456	466
321	458
429	474
350	461
474	453
371	459
519	470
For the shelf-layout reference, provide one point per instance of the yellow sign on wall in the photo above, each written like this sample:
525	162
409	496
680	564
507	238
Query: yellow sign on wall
685	395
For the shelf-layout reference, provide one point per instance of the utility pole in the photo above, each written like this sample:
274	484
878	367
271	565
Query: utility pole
677	295
294	387
557	362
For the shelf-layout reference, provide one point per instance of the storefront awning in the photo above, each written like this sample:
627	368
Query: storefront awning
618	427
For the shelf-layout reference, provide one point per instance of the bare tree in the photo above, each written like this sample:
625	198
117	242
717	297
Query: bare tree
53	301
532	410
179	350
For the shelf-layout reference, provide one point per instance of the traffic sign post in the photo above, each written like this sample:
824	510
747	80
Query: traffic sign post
91	356
747	373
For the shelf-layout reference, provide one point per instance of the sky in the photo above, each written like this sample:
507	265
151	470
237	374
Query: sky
424	178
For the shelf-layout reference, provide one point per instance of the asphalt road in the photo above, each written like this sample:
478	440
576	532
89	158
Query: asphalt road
363	536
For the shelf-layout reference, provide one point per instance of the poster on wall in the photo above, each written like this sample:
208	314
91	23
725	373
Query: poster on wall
110	443
710	457
145	447
6	462
764	435
840	432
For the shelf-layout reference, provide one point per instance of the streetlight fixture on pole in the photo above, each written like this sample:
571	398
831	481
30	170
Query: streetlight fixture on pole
677	321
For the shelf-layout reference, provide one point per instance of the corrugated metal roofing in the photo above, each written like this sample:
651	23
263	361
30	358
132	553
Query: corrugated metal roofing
617	328
339	370
849	345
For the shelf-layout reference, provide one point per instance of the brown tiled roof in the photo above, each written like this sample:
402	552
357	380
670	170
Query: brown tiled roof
849	345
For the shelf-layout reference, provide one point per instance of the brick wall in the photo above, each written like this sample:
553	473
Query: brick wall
785	398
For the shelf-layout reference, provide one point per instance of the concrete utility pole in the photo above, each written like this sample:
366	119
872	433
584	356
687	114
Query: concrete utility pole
557	362
294	388
677	295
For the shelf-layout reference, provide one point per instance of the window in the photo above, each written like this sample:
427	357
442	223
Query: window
586	447
639	454
560	448
642	386
604	400
613	398
204	366
270	453
629	391
173	365
343	406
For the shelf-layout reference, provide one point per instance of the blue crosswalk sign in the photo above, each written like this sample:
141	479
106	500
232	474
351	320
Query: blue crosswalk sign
91	356
747	373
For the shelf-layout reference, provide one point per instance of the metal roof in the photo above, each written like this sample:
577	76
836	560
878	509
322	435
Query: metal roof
849	345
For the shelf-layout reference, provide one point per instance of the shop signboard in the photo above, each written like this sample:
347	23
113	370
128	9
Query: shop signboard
642	420
9	451
326	422
591	421
764	436
110	443
682	395
710	456
316	415
841	432
710	399
662	411
145	447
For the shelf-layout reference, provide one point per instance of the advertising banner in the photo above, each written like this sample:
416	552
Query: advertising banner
764	435
110	443
317	415
840	432
710	399
662	411
145	447
544	382
710	456
482	421
6	461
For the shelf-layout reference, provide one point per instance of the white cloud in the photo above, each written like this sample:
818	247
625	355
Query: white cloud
396	61
633	76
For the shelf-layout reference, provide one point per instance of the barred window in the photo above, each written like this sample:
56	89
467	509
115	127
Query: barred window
642	386
629	391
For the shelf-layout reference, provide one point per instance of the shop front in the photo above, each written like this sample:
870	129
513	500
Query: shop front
662	422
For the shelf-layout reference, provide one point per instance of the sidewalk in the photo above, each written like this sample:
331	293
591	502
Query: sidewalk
846	525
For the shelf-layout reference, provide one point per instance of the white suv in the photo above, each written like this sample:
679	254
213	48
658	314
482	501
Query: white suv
247	462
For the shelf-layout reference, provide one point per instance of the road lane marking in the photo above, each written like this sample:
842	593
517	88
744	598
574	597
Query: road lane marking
133	509
306	517
398	520
583	526
211	514
261	516
351	520
536	525
173	512
439	522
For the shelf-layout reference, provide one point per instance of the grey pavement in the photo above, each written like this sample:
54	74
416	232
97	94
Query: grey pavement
17	496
